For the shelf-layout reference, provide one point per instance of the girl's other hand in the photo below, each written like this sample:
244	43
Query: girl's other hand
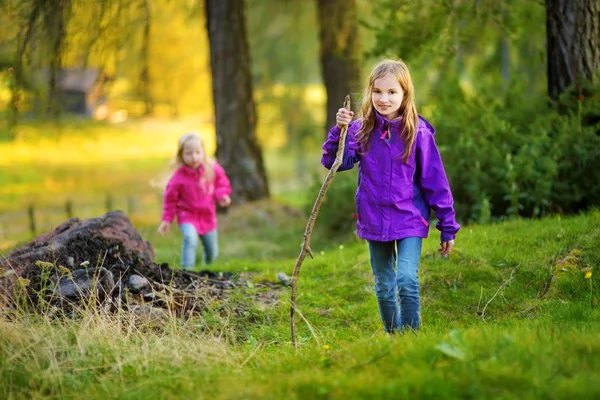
446	247
225	201
343	117
164	228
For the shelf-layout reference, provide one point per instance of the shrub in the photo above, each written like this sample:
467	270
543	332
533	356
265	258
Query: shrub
519	157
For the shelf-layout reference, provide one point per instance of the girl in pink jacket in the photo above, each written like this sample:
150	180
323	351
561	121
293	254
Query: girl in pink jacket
190	195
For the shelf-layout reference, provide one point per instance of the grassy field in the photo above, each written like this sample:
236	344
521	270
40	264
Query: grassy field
513	313
539	338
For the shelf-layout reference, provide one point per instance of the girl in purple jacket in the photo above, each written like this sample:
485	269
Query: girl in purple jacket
191	193
400	178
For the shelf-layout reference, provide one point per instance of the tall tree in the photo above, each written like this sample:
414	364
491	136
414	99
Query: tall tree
573	43
235	115
23	42
338	26
145	83
55	24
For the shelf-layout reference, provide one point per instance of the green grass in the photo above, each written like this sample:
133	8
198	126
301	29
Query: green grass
537	341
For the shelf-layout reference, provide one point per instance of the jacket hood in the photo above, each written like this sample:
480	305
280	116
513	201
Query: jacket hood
429	127
395	123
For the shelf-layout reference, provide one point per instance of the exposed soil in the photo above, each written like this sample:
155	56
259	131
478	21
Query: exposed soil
106	260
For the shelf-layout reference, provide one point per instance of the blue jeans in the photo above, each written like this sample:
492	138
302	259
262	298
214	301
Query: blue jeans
210	246
395	267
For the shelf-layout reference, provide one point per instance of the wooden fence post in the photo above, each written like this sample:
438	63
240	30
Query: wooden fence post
109	203
69	209
31	212
130	205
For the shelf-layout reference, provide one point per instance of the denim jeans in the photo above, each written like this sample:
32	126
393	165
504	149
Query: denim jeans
210	246
395	267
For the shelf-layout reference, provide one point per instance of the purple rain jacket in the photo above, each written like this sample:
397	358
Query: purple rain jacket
393	198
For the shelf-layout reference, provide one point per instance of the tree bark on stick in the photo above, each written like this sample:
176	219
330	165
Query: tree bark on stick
311	221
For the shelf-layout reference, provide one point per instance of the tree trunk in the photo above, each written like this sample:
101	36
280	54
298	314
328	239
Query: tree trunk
573	43
505	50
238	150
55	22
338	24
145	73
18	73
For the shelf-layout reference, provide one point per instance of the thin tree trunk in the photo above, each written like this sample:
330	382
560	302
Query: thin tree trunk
55	23
573	43
505	50
238	150
338	24
18	73
145	72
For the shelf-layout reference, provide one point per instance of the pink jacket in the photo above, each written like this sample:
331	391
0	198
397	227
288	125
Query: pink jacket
191	202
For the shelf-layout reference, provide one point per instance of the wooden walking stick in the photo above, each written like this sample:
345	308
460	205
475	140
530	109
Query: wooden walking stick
312	218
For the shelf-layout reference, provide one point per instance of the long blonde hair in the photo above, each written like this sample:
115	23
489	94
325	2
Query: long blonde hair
208	176
408	109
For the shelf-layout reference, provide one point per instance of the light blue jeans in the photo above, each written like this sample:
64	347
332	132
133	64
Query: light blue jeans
210	246
395	266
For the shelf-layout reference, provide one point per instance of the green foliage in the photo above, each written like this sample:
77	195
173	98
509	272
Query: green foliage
397	34
290	36
517	157
284	81
479	39
576	186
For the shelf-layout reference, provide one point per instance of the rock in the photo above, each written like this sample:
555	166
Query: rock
138	283
146	313
85	283
284	279
7	273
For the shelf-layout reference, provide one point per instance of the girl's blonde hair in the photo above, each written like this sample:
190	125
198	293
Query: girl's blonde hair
408	109
208	176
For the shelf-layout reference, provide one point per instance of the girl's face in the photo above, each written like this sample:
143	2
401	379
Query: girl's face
387	96
193	153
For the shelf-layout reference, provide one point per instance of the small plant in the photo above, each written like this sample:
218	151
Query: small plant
588	275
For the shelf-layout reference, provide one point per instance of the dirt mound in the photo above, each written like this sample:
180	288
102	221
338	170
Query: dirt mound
106	260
